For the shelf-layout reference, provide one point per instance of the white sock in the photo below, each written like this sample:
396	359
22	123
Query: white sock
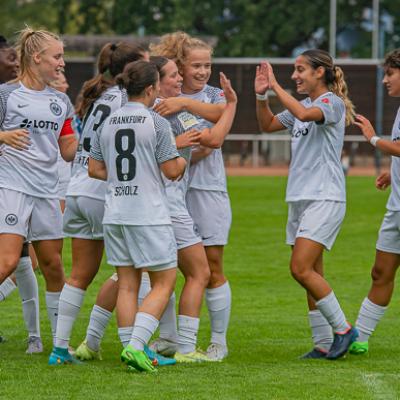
322	334
6	288
144	288
330	309
187	333
70	303
98	322
143	329
168	329
29	293
52	299
368	317
125	334
219	308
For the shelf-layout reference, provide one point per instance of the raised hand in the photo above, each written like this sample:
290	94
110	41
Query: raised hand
366	127
18	139
261	82
271	77
230	94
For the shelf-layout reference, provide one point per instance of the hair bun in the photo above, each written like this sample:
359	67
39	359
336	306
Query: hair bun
113	47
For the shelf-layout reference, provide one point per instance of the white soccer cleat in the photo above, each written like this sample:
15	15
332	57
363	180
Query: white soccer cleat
165	347
216	352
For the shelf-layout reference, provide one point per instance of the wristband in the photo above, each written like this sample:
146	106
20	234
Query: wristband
262	97
374	140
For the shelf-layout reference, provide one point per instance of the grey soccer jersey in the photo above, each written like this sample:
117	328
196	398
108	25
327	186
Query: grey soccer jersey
133	142
33	171
393	203
81	184
315	171
209	173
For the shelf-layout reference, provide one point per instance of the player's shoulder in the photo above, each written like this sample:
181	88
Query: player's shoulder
158	120
7	88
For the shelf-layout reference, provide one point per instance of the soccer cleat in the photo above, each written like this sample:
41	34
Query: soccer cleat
85	353
61	356
193	357
314	354
216	352
137	360
34	345
164	346
158	359
341	343
358	348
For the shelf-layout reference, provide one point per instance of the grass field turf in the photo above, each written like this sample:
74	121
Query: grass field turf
269	325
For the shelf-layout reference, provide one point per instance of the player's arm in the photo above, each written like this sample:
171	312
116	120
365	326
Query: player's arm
173	169
267	121
214	137
18	139
97	169
67	141
300	112
387	146
209	111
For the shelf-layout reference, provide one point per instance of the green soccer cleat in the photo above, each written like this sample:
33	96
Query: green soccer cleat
61	356
85	353
137	360
358	348
193	357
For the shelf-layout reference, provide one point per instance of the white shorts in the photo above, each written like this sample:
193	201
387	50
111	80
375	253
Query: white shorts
34	218
212	216
83	218
389	234
317	220
64	176
184	232
150	246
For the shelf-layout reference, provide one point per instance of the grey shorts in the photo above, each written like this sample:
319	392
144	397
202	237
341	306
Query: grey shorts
184	231
83	218
317	220
389	233
34	218
212	216
150	246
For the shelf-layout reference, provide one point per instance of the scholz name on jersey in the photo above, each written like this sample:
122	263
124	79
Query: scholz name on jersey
34	125
128	119
126	190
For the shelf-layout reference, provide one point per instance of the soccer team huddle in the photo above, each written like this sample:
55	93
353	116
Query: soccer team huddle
148	186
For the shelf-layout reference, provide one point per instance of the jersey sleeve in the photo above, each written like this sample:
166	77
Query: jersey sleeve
70	108
67	128
217	95
286	118
332	107
95	148
5	91
165	141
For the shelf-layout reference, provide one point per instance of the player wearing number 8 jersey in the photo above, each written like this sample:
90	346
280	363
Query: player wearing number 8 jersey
131	148
85	196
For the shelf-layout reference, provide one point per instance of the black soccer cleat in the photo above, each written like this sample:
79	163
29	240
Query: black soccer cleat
314	354
341	343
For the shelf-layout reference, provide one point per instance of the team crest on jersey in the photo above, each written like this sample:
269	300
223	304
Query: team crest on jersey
11	219
55	108
187	120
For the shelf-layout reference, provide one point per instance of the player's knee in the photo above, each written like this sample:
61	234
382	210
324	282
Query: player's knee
52	268
380	276
217	278
299	272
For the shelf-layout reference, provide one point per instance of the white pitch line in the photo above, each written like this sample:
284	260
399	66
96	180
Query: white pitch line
378	386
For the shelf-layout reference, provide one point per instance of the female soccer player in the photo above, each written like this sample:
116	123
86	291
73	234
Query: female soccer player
387	258
34	123
85	196
207	197
24	276
133	146
316	186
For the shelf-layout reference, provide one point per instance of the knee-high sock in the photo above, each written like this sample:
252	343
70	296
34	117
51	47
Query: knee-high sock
219	308
6	288
187	333
368	317
144	327
98	322
322	334
29	293
330	309
52	299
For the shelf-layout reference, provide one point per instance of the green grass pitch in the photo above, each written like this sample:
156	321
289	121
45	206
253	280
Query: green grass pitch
269	325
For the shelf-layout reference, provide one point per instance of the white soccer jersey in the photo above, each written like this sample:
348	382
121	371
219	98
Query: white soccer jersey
209	173
81	184
133	142
33	171
315	171
393	203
